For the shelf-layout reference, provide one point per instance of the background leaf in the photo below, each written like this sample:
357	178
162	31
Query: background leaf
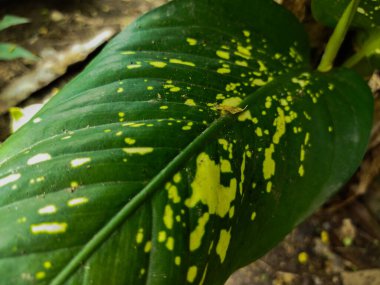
10	20
189	147
13	51
367	22
367	58
328	12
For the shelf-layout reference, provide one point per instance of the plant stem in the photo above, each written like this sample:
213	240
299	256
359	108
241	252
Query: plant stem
338	36
369	47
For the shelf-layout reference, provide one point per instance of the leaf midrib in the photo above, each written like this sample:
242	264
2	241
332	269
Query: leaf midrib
140	198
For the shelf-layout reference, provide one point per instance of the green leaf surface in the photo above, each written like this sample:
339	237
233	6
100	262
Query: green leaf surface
329	12
10	20
12	51
191	145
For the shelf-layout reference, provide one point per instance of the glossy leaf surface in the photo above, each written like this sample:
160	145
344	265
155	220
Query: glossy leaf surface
189	147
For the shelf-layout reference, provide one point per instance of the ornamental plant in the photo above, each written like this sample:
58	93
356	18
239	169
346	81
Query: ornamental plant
189	147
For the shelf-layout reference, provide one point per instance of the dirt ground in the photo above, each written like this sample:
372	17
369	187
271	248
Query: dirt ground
340	244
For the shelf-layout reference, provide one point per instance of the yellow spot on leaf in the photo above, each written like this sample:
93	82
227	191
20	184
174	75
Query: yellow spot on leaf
217	197
232	86
307	138
177	260
258	82
148	246
269	187
128	52
21	220
138	150
48	228
301	171
178	61
225	166
190	102
129	141
177	177
223	54
220	97
50	209
280	126
140	236
191	274
198	233
74	185
262	66
191	41
242	63
175	89
243	52
40	275
242	176
79	162
269	164
170	243
47	264
224	143
246	115
301	82
259	132
133	66
223	243
361	10
173	193
302	153
161	236
77	201
168	217
158	64
9	179
39	158
231	212
223	70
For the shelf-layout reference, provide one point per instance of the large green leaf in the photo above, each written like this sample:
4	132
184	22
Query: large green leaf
189	147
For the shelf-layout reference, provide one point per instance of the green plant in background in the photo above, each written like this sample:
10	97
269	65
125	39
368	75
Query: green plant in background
10	51
366	25
190	146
